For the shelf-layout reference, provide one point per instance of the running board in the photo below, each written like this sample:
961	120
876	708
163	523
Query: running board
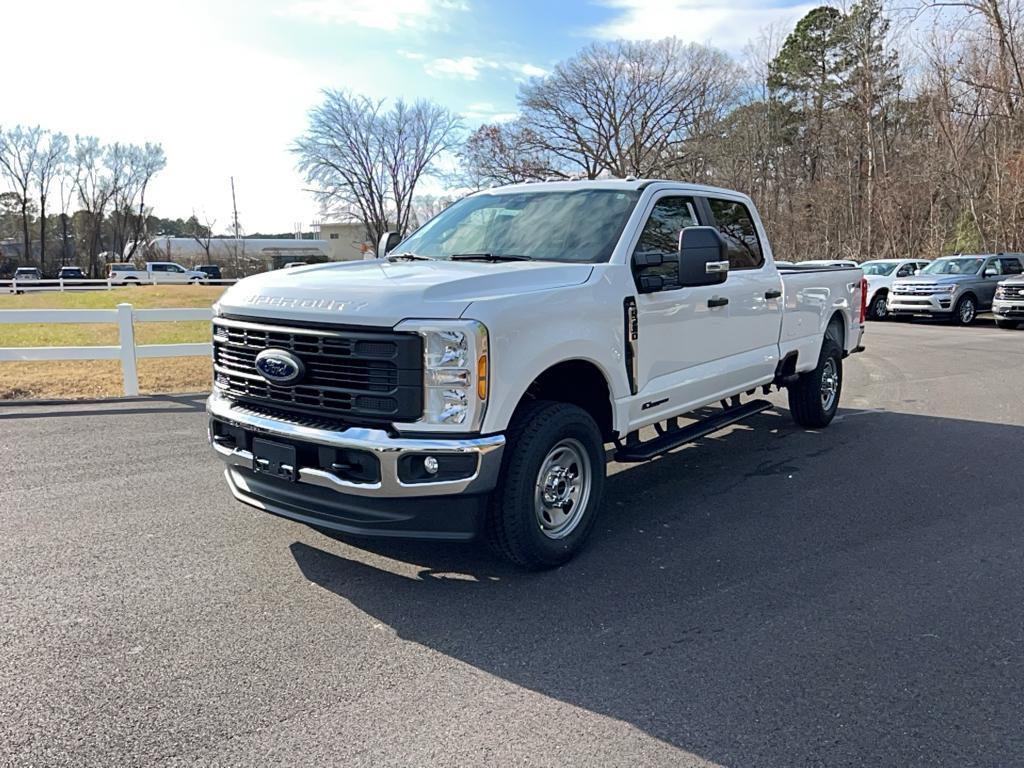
673	439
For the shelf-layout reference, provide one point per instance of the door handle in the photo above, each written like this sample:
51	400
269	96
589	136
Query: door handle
773	294
716	302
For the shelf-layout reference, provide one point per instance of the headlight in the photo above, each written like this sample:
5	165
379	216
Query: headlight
945	288
455	372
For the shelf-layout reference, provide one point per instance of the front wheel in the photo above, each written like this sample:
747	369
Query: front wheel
966	310
878	309
551	486
814	397
1010	325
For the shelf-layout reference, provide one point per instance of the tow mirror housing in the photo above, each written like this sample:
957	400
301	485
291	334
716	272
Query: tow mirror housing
387	243
703	257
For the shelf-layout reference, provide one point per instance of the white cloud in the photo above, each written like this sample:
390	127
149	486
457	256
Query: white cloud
486	112
465	67
387	15
725	23
471	67
530	70
411	55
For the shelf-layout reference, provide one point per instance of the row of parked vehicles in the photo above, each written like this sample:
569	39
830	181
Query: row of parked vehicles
956	288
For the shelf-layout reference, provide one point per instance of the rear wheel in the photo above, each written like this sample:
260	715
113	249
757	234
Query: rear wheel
814	397
966	310
1009	325
551	486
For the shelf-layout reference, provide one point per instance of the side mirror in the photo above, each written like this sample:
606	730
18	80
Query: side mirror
387	243
991	272
917	271
703	257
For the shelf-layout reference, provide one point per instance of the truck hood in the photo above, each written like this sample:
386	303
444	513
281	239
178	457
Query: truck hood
383	293
1016	282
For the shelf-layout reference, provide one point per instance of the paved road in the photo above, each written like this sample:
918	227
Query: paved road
769	597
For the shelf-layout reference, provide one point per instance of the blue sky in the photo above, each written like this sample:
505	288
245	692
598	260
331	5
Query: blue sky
225	86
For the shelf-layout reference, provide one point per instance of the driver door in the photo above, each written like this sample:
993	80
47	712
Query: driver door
683	331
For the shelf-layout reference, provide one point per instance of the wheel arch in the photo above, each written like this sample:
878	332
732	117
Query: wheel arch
579	382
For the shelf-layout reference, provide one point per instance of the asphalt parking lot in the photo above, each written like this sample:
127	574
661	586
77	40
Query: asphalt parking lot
768	597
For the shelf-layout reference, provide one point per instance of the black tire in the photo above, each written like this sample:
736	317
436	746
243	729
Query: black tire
807	401
514	528
966	311
1010	325
877	309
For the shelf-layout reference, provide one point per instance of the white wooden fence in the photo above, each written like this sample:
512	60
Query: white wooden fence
125	316
106	284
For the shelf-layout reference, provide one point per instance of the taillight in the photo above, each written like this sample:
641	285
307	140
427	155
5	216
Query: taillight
863	299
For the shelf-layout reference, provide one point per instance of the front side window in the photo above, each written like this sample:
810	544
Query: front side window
905	271
579	226
660	236
737	227
1012	266
880	267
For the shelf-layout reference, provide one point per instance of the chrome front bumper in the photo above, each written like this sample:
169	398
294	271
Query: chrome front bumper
1008	308
922	304
388	451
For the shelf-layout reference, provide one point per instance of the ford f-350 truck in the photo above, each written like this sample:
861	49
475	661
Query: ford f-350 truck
470	381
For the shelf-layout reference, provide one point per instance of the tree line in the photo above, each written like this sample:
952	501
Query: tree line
96	192
863	133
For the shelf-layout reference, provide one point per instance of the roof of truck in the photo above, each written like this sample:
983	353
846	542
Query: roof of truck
624	185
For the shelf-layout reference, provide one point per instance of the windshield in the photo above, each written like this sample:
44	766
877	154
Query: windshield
959	265
577	226
879	267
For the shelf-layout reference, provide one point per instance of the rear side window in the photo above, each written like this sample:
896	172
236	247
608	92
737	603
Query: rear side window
737	227
660	235
1012	267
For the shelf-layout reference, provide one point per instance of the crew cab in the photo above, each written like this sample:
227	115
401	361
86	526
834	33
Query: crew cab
1008	304
953	287
154	272
880	274
470	379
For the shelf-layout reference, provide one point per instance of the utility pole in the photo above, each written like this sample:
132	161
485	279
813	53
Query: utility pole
234	207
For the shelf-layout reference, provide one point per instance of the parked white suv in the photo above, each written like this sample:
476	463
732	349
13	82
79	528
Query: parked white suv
468	382
880	274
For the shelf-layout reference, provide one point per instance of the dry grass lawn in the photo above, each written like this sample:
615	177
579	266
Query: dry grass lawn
102	378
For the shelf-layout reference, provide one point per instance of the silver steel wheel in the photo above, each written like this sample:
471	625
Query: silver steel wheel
562	489
881	309
829	384
967	311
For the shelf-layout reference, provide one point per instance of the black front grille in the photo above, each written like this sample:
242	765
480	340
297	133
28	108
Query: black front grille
370	376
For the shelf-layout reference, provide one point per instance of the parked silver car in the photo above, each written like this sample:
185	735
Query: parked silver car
954	287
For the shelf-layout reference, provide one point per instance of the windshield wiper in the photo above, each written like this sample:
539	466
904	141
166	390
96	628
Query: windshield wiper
409	256
489	257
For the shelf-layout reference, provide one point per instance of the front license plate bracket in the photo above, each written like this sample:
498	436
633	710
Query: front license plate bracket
274	459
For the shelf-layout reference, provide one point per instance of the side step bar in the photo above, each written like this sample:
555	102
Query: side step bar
636	451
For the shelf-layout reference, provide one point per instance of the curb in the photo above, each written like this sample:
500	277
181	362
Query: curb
105	400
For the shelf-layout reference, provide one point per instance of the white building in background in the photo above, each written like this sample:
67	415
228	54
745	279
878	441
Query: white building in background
347	242
244	255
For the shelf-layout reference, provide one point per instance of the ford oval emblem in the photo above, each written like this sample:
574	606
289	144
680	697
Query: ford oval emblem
279	366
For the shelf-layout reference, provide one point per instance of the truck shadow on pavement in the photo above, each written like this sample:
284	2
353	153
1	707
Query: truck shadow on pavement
771	596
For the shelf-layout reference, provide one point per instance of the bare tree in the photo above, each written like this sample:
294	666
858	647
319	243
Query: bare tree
504	153
95	187
361	157
628	108
202	233
19	154
50	161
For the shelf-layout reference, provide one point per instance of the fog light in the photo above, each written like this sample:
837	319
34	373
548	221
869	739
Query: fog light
430	465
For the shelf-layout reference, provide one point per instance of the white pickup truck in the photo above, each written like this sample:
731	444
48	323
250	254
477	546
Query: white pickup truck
469	381
154	272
